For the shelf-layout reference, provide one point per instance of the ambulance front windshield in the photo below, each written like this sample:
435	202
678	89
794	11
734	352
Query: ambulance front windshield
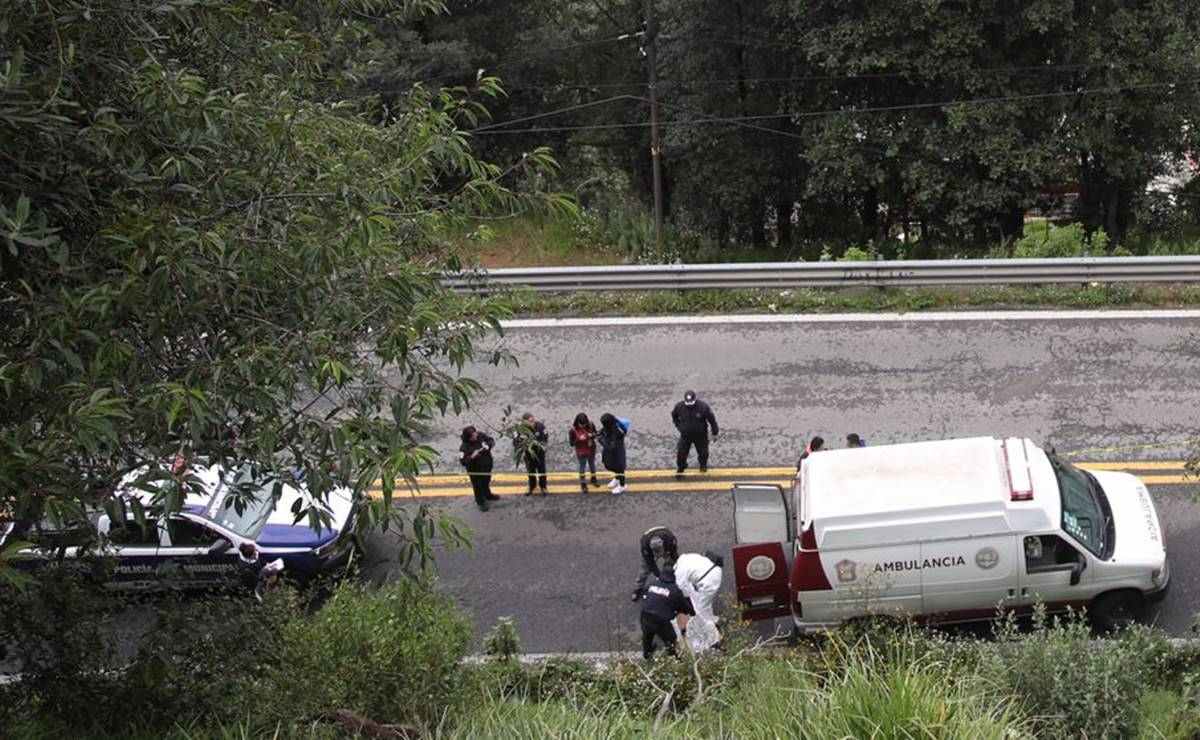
1083	510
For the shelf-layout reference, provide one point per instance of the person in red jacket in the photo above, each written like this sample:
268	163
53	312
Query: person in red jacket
582	437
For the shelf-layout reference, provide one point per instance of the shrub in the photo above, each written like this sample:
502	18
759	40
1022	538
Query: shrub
1048	240
204	657
856	254
391	654
1071	684
502	641
1167	715
59	623
523	720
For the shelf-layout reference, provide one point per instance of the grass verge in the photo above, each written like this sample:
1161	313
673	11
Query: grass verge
526	303
389	662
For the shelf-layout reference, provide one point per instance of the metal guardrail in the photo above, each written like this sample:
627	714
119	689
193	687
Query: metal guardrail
836	274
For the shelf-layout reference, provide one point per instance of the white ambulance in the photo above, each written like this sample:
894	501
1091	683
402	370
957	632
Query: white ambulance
946	531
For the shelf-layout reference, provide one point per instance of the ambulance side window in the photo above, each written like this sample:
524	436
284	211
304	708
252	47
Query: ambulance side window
1049	552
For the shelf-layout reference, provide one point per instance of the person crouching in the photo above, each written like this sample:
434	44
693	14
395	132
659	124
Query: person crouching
663	603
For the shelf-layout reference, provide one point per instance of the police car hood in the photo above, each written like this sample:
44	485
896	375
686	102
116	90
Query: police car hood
1138	531
280	528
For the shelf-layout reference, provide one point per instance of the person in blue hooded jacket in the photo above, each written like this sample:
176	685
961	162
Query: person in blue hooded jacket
612	440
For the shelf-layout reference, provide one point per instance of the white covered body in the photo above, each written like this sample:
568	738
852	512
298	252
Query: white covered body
700	581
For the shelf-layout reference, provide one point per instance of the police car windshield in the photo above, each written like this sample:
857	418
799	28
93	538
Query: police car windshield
242	504
1084	514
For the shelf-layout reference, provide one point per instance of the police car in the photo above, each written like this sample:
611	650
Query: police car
220	537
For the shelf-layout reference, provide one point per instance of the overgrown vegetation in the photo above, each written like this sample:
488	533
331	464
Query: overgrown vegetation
390	660
390	654
216	240
792	125
598	238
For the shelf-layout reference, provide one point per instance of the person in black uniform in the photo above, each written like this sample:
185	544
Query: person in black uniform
662	604
476	457
658	543
532	439
692	417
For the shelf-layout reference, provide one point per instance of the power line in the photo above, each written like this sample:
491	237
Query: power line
990	71
997	72
850	111
758	44
568	109
780	132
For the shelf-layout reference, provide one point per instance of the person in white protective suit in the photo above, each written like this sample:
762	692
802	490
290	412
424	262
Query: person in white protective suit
699	578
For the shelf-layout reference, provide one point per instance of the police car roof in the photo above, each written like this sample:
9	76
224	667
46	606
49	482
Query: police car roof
927	490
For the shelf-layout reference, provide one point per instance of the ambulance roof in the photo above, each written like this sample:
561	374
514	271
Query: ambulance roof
928	490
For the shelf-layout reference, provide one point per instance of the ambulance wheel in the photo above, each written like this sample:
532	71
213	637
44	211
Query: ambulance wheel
1116	610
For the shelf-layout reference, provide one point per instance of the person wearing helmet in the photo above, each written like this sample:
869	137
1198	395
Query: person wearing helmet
658	545
663	604
699	578
693	418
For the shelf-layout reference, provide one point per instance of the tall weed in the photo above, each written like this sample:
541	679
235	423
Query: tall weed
391	654
1047	240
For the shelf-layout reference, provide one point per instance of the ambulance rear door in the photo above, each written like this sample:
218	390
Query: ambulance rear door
762	528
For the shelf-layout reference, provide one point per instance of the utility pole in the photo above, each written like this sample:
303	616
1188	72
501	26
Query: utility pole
655	145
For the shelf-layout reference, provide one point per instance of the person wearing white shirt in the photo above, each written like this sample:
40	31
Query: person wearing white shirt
699	578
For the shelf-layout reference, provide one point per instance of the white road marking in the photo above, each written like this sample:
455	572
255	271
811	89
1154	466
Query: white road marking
855	318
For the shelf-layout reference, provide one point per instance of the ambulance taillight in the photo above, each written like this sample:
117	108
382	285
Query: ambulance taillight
809	574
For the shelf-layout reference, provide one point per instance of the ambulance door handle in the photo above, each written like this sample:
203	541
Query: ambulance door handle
1024	592
1012	592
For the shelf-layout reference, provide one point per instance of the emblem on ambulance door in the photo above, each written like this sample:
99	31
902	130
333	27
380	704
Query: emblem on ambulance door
987	558
760	567
846	570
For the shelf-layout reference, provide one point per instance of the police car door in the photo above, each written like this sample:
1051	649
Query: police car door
134	547
762	529
195	556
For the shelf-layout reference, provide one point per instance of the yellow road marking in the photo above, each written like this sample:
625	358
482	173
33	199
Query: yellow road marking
1135	465
1167	480
520	478
602	489
697	486
572	477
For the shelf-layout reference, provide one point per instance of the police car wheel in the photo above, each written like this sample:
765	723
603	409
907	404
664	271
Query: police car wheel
1116	610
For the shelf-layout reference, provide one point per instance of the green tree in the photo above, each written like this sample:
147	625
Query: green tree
952	173
1120	142
215	241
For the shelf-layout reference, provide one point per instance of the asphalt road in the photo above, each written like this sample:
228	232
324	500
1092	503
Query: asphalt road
563	566
1098	386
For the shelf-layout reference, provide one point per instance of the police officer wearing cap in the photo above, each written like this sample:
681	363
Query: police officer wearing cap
692	417
663	604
